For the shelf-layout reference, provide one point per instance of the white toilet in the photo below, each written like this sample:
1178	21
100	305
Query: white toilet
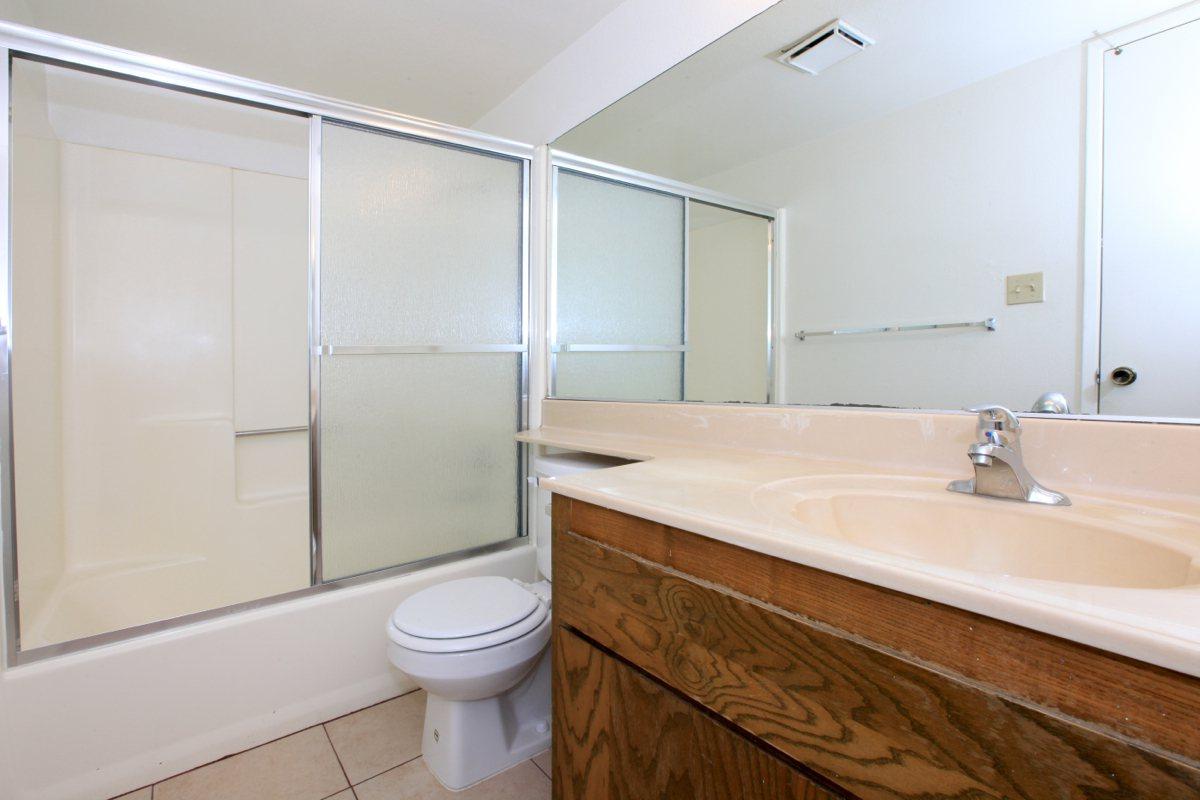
479	648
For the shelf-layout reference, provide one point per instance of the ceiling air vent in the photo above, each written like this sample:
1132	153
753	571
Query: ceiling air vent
835	42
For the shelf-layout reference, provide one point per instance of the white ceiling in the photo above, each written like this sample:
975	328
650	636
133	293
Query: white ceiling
447	60
732	103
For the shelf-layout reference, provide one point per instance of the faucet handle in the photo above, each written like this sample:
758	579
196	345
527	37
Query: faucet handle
995	418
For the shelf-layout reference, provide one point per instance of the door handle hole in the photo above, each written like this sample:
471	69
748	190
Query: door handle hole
1123	376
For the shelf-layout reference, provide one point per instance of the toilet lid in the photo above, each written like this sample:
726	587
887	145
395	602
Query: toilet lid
539	620
464	607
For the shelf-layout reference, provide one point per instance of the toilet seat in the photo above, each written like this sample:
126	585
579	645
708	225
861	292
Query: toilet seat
466	614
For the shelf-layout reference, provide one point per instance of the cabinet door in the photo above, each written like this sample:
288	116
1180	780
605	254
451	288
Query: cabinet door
620	735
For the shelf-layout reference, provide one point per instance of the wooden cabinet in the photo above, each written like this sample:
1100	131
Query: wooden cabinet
620	734
686	668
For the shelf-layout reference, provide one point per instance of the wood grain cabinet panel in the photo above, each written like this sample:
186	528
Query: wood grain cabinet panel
621	736
1132	698
866	718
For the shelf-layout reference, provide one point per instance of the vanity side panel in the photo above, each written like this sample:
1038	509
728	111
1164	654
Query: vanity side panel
618	734
880	725
1131	698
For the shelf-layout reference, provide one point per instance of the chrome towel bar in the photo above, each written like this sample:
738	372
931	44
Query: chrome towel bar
988	324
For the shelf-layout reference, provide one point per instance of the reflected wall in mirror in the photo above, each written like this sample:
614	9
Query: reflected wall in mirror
946	191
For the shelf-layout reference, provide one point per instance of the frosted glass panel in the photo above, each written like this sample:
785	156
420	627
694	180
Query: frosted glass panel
728	275
418	457
618	376
620	263
420	243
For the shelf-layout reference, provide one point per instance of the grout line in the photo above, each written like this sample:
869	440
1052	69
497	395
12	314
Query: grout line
231	755
364	708
341	766
531	761
339	791
389	769
149	786
284	736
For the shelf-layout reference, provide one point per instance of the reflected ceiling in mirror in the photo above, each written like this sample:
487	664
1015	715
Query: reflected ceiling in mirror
942	191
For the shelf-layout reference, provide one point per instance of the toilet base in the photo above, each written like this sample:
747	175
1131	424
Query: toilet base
466	741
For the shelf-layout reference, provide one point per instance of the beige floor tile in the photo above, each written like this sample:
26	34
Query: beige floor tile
542	760
348	794
378	738
414	782
140	794
298	767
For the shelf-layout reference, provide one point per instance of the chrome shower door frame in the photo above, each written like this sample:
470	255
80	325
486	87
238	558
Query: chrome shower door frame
561	161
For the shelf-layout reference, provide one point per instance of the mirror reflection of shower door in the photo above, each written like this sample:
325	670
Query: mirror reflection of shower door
1151	244
619	286
421	321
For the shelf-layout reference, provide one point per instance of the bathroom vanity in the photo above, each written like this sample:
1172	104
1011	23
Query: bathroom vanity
689	667
759	608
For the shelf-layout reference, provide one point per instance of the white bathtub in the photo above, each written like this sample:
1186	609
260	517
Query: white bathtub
101	722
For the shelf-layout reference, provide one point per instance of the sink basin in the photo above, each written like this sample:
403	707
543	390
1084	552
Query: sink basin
1092	542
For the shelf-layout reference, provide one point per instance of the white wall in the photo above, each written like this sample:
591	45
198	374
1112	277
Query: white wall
630	46
917	217
270	302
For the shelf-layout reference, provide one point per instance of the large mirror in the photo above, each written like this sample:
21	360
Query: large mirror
968	202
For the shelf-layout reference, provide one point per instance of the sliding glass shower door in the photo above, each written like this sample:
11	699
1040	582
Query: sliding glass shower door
250	350
422	349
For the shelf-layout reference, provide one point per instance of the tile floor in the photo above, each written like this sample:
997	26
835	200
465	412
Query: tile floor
372	754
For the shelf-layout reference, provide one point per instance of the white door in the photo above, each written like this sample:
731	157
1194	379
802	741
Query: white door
1150	307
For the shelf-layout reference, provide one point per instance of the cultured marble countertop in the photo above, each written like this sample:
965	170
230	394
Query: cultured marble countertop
711	491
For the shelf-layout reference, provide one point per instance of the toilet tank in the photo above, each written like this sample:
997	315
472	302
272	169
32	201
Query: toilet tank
556	465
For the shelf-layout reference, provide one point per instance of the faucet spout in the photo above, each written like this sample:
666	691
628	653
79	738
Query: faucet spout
999	465
979	456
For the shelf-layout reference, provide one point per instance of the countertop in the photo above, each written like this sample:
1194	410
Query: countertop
710	490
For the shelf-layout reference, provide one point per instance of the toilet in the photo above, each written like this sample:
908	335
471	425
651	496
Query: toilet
479	647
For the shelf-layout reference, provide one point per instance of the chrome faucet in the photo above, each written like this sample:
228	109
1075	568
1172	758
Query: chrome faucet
999	467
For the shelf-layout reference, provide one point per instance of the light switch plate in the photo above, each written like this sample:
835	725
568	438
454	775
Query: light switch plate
1026	288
